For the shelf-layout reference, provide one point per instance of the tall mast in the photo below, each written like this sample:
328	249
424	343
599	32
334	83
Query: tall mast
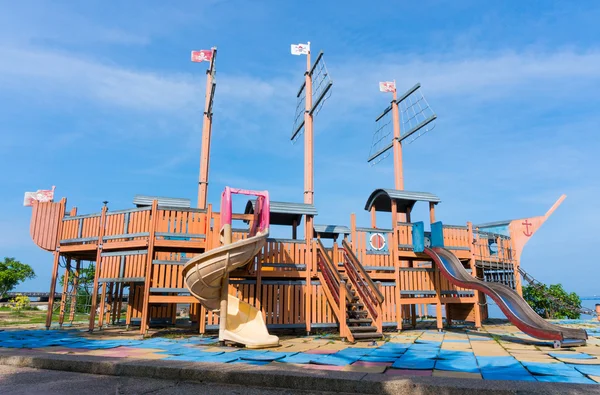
398	171
206	131
309	191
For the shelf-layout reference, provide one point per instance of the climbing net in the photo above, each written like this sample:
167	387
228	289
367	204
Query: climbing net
416	119
557	302
321	92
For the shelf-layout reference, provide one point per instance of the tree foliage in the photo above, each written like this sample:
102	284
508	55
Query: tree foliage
85	279
13	272
21	302
552	301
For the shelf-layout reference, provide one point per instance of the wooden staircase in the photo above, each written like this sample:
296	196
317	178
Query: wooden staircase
357	311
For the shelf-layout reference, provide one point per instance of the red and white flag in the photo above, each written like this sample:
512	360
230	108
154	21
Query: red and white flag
300	49
388	86
41	195
202	55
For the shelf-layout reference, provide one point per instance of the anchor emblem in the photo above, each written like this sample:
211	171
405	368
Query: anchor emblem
526	232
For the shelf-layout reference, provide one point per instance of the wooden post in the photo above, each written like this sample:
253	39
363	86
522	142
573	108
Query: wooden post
398	171
151	238
63	297
373	217
120	303
310	248
379	321
342	306
206	132
52	290
431	212
63	204
97	271
130	302
102	303
477	296
74	293
224	301
308	137
438	297
395	256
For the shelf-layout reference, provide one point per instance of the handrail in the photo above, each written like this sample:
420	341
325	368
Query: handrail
357	265
328	261
331	274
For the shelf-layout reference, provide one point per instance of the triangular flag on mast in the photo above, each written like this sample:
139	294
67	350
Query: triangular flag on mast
388	86
300	49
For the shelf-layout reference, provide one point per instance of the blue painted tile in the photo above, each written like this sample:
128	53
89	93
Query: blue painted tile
298	358
551	369
497	362
258	363
502	375
593	370
575	355
334	359
565	379
458	365
453	354
371	358
266	356
414	363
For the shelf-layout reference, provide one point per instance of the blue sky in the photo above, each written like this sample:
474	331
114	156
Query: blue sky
101	100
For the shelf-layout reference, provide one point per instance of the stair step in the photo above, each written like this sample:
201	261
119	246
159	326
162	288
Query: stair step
355	305
369	335
359	321
357	312
362	329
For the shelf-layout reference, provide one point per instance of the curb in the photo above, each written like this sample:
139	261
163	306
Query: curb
285	377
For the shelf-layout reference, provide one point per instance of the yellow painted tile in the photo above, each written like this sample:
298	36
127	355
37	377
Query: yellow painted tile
364	369
148	356
580	361
458	375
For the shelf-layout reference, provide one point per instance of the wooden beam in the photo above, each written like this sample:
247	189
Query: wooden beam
98	269
148	280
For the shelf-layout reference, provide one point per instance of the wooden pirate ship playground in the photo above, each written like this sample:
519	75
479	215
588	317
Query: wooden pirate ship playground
374	277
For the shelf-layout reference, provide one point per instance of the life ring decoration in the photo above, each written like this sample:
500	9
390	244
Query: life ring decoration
377	241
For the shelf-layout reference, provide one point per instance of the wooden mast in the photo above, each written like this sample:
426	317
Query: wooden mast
206	133
398	171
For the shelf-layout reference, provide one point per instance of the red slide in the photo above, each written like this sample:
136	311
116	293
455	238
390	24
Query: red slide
512	305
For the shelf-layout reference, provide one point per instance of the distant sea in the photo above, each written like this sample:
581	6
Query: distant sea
495	312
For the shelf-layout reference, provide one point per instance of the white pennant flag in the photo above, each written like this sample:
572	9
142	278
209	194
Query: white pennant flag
300	49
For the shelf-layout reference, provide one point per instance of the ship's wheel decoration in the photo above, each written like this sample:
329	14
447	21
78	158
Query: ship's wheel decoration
377	241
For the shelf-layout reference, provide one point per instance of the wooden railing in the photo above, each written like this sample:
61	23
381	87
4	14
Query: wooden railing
456	237
367	291
81	229
334	287
492	247
404	235
371	258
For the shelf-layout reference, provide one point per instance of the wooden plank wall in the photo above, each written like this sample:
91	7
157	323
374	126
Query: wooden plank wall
361	250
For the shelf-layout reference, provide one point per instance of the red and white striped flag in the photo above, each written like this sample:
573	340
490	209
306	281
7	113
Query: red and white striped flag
388	86
202	55
41	195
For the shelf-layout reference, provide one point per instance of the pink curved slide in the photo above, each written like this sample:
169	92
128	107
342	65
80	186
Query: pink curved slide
512	305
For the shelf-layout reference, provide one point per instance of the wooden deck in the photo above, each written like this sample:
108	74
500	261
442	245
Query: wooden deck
145	249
